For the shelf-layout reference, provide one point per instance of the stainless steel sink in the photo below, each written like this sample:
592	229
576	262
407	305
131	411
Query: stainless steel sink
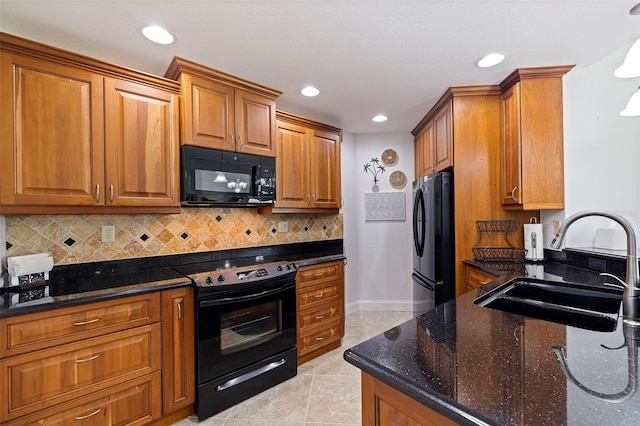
565	303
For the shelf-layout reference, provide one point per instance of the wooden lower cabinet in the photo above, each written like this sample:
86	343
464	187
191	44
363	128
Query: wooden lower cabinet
178	349
383	405
320	309
124	361
135	402
476	277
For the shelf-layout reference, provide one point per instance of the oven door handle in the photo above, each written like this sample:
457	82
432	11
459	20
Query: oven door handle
235	299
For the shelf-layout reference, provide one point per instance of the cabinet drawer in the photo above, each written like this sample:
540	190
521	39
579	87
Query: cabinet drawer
45	378
477	277
316	274
135	402
320	315
27	333
317	295
308	342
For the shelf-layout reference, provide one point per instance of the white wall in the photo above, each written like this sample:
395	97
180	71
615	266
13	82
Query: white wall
349	217
382	257
601	148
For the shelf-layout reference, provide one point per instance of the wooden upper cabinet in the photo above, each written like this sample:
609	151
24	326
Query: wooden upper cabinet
208	113
142	145
325	169
434	140
292	168
532	139
224	112
255	124
52	142
443	143
83	136
307	166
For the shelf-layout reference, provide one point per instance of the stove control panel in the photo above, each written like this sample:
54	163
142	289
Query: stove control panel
235	276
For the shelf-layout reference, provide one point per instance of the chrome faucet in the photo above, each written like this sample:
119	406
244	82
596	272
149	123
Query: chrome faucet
631	295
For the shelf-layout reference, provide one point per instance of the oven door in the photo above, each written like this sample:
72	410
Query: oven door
238	329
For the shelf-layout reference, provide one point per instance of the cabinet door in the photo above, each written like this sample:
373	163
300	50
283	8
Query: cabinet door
511	156
208	116
178	364
51	119
324	158
141	145
428	149
255	118
292	172
443	138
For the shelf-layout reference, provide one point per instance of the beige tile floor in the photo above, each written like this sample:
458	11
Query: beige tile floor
325	392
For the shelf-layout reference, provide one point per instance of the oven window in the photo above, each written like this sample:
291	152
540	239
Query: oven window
218	181
251	326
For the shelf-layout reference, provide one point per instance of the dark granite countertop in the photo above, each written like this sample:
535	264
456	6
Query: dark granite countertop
95	281
478	365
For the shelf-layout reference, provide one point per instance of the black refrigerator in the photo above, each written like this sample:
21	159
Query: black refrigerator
433	241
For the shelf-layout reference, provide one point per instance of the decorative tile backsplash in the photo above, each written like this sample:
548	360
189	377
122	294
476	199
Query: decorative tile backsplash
78	238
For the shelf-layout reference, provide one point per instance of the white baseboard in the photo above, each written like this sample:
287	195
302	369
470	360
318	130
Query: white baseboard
379	305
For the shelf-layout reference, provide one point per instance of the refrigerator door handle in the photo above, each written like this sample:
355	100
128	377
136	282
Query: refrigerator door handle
423	282
418	240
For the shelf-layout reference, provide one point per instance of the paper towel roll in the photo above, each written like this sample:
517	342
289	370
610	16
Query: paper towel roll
533	241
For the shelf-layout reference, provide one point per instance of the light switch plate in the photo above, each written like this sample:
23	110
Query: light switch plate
283	226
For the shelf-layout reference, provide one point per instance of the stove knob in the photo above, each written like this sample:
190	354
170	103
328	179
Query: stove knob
208	280
279	268
288	266
220	278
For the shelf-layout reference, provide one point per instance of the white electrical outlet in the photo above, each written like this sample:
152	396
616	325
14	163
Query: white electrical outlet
108	233
283	226
556	226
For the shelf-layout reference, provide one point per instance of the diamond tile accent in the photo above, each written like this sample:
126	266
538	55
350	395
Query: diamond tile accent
143	235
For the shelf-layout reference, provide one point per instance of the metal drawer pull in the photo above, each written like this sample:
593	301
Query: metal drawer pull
320	274
179	310
319	338
483	282
513	193
318	296
319	317
111	189
78	361
308	200
88	322
251	375
88	415
97	192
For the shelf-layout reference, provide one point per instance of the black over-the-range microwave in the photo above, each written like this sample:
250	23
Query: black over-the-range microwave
211	177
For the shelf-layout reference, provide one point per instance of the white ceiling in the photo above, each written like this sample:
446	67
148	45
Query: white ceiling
366	57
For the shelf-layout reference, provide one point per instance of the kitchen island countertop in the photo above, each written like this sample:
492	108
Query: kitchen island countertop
477	365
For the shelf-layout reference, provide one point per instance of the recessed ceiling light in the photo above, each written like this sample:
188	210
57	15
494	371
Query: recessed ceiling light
490	60
310	91
635	10
157	34
380	118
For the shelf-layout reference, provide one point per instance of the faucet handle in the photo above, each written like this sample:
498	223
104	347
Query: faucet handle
622	284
